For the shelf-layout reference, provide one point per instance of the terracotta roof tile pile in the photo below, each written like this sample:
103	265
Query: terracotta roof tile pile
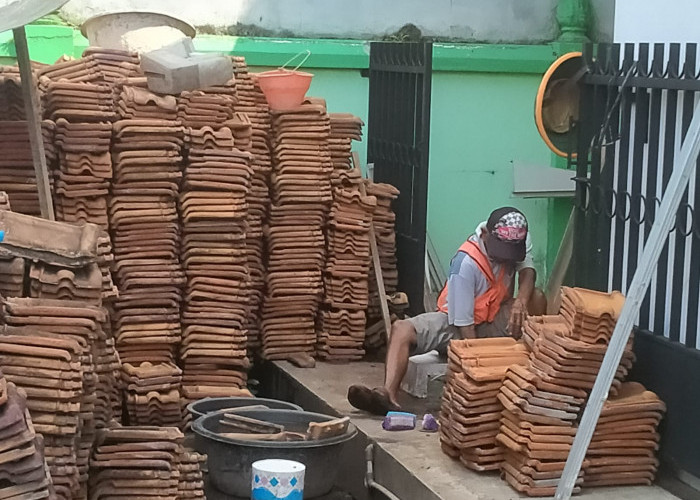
199	108
625	441
50	371
11	276
62	406
342	329
17	176
113	65
146	238
383	221
470	414
11	99
301	197
135	101
345	128
23	468
251	127
213	209
152	393
53	282
191	483
79	102
591	314
137	462
105	261
537	430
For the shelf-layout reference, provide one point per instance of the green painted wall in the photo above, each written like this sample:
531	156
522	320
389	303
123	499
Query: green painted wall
482	121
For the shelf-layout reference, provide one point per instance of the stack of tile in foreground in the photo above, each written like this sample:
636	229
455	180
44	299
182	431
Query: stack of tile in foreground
591	315
383	221
191	484
54	282
50	372
146	238
537	430
301	197
67	412
251	127
213	207
470	414
625	441
137	462
342	328
153	393
22	465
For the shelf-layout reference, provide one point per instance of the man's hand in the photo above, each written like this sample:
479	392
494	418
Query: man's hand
518	314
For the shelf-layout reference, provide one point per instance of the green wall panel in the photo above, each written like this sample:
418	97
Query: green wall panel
481	123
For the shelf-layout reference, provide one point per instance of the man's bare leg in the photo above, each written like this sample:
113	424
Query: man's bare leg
403	338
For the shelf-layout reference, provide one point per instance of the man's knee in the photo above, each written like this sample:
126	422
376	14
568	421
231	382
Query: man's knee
403	331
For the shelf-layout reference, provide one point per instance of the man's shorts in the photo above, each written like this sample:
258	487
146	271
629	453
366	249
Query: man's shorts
433	332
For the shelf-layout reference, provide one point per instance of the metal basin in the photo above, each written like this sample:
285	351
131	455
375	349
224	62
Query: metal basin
106	30
210	405
229	461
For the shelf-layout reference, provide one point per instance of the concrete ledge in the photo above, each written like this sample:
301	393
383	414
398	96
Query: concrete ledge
408	463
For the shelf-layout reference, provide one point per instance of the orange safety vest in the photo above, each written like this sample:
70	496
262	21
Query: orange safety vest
486	305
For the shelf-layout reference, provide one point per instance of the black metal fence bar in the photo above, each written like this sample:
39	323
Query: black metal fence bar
398	138
636	106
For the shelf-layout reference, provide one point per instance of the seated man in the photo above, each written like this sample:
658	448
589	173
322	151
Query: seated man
476	302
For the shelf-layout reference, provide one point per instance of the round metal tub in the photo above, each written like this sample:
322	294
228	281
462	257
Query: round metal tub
229	461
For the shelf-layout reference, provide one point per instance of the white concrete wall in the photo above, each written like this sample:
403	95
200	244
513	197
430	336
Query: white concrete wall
508	21
657	21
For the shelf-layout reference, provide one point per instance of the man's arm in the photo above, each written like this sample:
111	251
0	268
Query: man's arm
526	284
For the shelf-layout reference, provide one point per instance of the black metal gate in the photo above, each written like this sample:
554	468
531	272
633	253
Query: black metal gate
400	77
637	102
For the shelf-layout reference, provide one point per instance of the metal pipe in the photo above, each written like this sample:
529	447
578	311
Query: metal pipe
369	477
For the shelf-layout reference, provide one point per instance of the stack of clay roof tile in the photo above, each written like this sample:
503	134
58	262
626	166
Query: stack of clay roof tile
345	128
79	102
624	444
199	108
191	483
84	171
251	127
537	430
135	101
301	196
50	371
54	282
470	413
591	314
105	261
17	175
23	470
384	231
213	209
146	237
96	65
136	462
152	393
63	407
11	99
342	329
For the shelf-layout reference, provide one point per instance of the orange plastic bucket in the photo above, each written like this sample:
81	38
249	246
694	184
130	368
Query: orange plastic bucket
285	89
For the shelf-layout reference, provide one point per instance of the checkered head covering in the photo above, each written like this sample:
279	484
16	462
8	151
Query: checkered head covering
507	227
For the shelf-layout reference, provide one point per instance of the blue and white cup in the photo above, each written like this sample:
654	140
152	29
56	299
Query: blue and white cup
276	479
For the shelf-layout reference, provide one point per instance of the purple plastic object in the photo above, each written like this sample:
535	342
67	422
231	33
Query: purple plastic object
399	421
429	423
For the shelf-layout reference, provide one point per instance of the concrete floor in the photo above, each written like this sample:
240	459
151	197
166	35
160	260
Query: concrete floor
410	463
